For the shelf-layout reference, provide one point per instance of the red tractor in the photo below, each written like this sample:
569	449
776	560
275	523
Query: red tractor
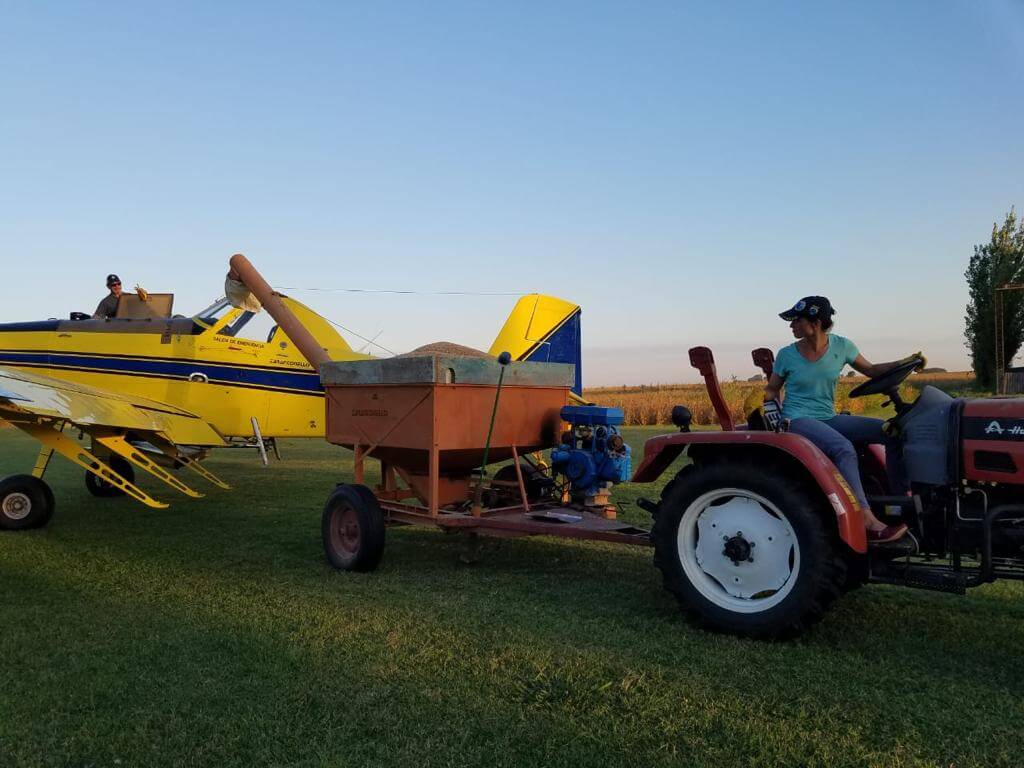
759	534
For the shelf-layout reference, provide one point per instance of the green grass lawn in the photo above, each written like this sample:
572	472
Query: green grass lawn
213	633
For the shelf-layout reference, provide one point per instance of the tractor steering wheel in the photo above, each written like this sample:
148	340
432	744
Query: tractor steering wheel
887	382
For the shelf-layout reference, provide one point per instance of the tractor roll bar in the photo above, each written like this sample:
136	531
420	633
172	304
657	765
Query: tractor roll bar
702	359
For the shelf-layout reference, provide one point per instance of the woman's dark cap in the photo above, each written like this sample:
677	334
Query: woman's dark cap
111	279
811	307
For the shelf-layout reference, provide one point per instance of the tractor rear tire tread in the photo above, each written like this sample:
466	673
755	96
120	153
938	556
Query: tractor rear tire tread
824	569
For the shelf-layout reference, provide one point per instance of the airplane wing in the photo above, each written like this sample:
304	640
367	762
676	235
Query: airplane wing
85	407
43	406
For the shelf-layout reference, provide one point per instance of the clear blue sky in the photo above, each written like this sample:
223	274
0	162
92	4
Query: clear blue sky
683	171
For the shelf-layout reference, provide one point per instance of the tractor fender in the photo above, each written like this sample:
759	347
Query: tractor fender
788	449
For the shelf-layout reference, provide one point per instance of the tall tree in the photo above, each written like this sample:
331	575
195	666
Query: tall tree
997	262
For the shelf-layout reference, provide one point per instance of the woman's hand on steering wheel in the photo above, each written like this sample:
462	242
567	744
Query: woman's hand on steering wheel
892	378
919	356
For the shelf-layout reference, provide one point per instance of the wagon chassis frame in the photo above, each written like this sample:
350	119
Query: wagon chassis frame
526	518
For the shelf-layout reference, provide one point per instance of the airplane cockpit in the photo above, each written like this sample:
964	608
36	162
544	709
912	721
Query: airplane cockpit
132	306
249	325
153	314
222	324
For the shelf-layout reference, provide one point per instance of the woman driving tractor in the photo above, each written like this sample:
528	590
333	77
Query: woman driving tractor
809	369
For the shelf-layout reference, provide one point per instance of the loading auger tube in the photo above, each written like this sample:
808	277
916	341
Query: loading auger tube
283	316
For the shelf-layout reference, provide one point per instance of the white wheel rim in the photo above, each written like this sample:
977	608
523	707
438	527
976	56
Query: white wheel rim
17	506
753	523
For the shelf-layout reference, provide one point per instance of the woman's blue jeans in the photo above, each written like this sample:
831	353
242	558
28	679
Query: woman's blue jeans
838	437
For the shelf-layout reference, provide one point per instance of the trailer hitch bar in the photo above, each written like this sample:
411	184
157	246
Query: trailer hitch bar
648	505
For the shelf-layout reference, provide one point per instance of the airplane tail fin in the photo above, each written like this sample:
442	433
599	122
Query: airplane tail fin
543	329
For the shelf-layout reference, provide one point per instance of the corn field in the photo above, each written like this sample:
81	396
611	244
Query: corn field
653	404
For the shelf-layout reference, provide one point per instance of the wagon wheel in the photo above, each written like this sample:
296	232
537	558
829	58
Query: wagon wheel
353	529
101	488
25	502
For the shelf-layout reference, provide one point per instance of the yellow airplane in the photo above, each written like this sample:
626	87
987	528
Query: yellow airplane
156	391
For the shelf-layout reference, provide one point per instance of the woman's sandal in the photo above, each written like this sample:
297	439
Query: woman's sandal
887	534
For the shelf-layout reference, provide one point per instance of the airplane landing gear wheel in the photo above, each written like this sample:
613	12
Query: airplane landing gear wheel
101	488
353	529
25	502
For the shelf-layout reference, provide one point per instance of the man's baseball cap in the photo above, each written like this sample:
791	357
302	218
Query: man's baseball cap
811	307
111	279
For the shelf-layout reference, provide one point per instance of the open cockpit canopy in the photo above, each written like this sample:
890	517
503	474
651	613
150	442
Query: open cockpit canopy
131	306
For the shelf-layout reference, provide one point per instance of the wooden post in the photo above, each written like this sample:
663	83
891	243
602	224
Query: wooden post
360	472
434	466
1001	361
519	478
435	473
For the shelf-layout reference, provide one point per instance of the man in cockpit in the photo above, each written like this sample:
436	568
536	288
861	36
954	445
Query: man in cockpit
108	306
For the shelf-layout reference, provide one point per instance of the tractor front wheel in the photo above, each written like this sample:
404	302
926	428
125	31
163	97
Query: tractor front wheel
746	550
25	502
353	529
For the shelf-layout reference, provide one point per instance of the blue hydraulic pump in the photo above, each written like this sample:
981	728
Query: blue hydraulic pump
592	452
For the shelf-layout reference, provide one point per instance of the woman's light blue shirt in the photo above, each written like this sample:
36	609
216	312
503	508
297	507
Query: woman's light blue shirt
811	387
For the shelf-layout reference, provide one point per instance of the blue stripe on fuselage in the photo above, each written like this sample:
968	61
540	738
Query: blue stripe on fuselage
233	375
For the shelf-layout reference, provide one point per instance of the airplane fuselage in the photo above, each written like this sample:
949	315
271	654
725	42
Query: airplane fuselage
199	367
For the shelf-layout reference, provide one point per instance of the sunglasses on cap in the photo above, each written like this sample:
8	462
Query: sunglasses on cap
811	307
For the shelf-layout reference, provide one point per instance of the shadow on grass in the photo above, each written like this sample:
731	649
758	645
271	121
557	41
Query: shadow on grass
255	673
216	630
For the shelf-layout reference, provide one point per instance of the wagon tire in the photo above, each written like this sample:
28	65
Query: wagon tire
352	527
794	572
25	502
100	488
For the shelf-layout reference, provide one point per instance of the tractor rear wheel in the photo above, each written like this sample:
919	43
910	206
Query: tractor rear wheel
101	488
746	550
25	502
353	529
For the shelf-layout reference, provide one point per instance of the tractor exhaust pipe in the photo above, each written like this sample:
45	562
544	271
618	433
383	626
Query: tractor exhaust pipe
243	270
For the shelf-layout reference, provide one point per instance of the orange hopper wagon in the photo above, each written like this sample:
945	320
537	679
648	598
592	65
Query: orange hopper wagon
433	421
